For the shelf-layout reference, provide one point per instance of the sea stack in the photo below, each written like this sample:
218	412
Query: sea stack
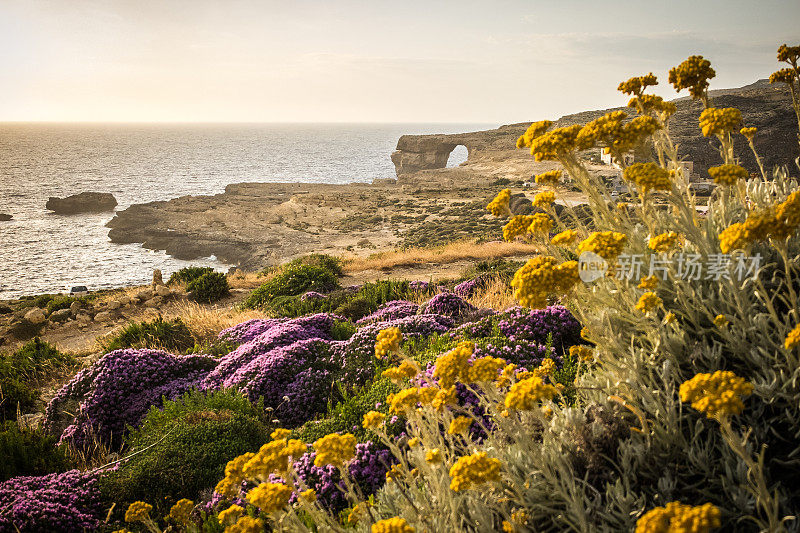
85	202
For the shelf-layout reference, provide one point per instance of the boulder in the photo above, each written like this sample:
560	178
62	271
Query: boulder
144	295
74	307
83	319
61	315
85	202
35	316
113	304
124	300
5	217
162	290
154	302
157	278
104	316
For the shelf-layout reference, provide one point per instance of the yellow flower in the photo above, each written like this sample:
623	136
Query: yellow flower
544	198
270	497
637	84
677	517
606	244
407	369
403	401
778	223
788	54
721	321
564	238
388	341
716	394
545	368
309	495
648	176
793	338
556	143
604	130
517	226
451	366
648	302
647	103
274	456
392	525
499	206
715	121
649	283
540	223
662	243
433	456
230	515
459	425
581	352
787	212
181	511
473	470
540	276
507	527
234	475
413	442
750	133
534	130
333	449
784	75
444	397
692	74
373	419
525	394
246	524
485	369
551	177
138	512
670	317
280	434
727	174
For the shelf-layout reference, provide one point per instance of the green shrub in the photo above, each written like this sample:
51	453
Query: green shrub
29	453
42	300
355	308
189	274
20	371
63	302
171	335
328	262
209	287
292	281
182	449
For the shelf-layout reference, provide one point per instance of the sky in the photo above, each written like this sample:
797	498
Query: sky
495	61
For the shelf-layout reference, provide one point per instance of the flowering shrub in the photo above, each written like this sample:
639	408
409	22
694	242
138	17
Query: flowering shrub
390	311
448	304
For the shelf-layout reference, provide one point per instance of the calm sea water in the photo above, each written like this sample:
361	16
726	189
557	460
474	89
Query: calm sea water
43	252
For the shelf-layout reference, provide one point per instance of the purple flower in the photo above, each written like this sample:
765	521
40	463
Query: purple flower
448	304
390	311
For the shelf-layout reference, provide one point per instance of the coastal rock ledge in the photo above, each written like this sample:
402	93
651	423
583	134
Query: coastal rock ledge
85	202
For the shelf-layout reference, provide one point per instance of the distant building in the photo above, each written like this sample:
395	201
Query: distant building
627	158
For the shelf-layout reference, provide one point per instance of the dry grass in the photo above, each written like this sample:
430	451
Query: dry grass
457	251
206	322
497	295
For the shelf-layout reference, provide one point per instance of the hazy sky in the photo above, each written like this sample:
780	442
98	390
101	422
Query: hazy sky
376	61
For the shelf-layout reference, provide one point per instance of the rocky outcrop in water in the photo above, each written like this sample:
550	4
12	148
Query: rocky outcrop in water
5	217
85	202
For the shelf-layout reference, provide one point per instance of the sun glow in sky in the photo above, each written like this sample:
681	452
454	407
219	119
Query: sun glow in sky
364	61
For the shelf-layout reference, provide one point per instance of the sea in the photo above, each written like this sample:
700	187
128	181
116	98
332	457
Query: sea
41	252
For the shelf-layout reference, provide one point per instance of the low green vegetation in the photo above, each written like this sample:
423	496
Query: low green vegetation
209	288
171	335
28	452
318	275
189	274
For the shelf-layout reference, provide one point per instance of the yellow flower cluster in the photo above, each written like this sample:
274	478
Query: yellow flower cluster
664	242
564	238
692	74
721	321
788	54
274	456
434	456
715	121
333	449
373	419
388	341
540	223
406	370
544	198
534	130
555	144
473	470
246	524
727	174
679	518
606	244
392	525
784	75
444	397
270	497
777	223
451	366
485	369
648	176
181	510
234	475
539	277
717	394
793	338
280	433
517	226
750	133
230	515
499	206
551	178
648	302
581	352
309	495
616	137
404	400
545	368
637	84
459	425
138	512
525	395
648	283
648	103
